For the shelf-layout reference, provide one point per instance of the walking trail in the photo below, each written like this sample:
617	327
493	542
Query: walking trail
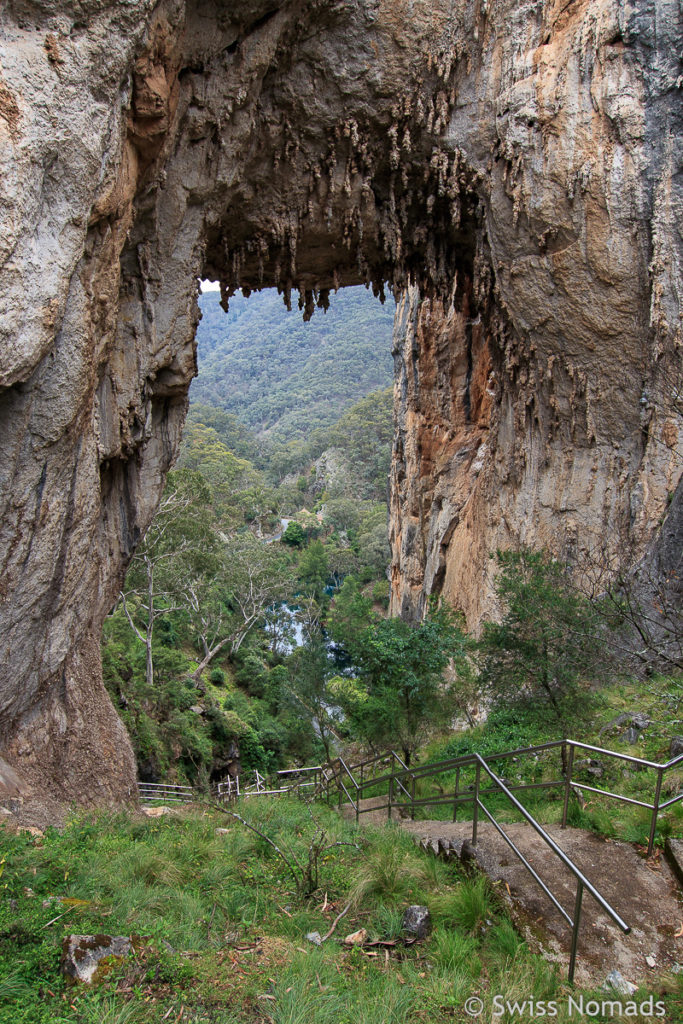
645	893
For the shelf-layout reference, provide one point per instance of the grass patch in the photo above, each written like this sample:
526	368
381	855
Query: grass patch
224	928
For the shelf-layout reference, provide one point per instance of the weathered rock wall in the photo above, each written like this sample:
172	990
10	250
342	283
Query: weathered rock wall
551	400
511	169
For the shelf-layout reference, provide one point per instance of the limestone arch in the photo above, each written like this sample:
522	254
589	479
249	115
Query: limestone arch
509	170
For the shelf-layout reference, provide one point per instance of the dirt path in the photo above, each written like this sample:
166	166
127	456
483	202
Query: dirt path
644	893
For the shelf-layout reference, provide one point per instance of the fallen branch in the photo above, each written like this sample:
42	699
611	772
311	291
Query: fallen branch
258	832
58	917
336	921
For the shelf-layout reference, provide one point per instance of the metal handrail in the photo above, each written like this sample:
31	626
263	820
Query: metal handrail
582	881
340	768
469	760
343	764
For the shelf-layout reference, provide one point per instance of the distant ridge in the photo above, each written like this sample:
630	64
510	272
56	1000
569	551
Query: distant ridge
283	377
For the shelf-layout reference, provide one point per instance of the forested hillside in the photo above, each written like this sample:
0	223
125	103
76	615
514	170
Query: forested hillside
217	648
283	377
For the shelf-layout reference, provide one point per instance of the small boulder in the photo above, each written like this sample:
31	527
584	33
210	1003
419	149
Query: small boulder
617	982
315	938
417	921
31	830
615	723
637	721
356	938
88	958
156	812
11	784
676	747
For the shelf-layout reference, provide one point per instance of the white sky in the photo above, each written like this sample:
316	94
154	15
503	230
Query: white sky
210	286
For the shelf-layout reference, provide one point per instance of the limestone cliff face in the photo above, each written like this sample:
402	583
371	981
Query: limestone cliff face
545	412
511	169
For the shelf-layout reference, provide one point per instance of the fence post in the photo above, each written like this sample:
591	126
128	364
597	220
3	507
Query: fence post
655	812
575	929
567	785
391	785
455	795
475	812
412	800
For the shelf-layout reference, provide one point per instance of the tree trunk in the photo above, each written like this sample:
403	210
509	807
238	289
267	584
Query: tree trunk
208	658
149	668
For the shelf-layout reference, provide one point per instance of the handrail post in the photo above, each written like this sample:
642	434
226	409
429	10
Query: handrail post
455	795
655	812
412	799
475	812
575	928
567	784
391	786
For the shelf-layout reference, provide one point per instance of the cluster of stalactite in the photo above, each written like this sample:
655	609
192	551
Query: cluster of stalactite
404	205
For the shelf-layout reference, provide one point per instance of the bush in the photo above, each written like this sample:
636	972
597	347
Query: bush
548	645
294	535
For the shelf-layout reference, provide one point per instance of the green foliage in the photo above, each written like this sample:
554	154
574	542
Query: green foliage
351	614
468	906
314	570
294	535
225	473
393	871
508	726
401	667
365	434
214	581
233	434
306	689
548	644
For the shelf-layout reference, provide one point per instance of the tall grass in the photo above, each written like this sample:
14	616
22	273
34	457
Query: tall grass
225	929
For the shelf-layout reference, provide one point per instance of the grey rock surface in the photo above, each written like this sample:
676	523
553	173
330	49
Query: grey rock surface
676	746
616	982
510	169
417	921
86	958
